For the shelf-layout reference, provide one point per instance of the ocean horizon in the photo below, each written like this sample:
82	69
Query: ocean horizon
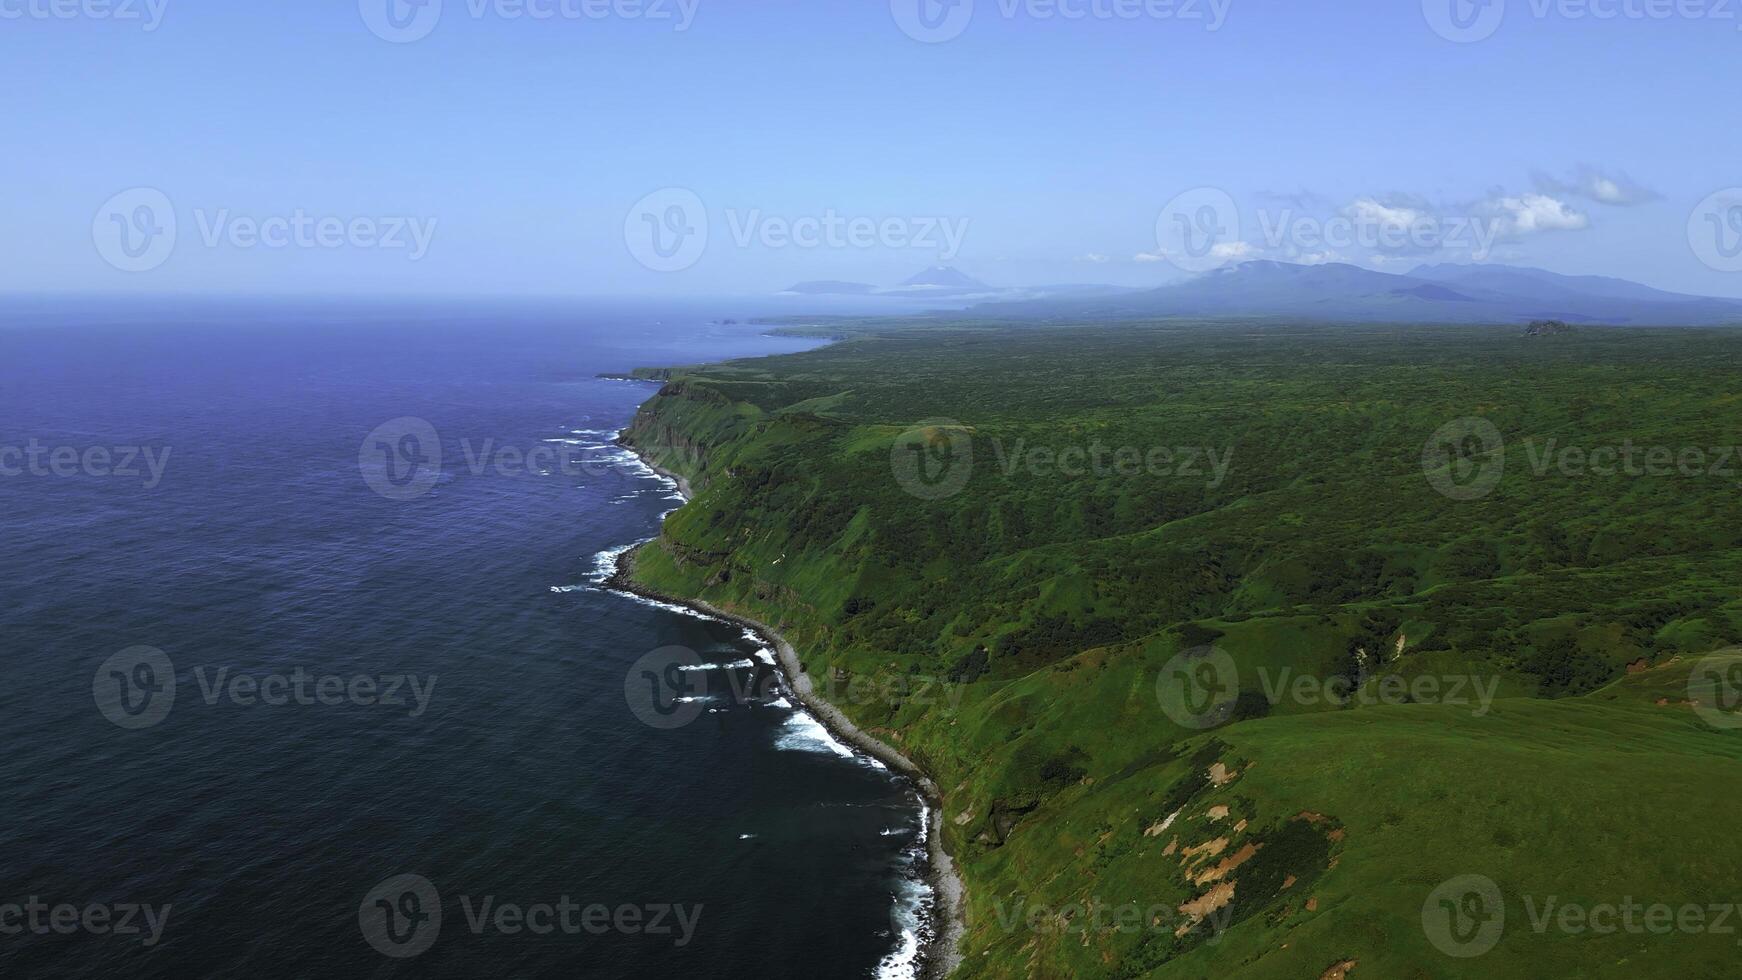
380	675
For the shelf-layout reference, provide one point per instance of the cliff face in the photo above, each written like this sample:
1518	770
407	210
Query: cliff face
693	429
670	429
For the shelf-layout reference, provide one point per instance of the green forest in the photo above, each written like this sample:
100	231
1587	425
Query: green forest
1255	634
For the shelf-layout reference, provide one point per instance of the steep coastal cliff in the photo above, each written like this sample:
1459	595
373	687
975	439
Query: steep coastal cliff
1029	639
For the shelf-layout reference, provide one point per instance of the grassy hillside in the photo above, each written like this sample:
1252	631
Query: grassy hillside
1230	644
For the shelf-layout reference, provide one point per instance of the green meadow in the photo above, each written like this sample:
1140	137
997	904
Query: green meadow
1263	650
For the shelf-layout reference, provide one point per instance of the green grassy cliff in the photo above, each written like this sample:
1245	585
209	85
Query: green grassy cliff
1233	647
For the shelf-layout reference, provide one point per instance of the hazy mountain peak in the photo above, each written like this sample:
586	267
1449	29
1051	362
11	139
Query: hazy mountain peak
947	277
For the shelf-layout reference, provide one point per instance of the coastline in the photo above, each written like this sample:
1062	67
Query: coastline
940	953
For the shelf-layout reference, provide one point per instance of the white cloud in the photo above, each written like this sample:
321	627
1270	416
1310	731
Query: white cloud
1226	252
1094	257
1528	214
1614	189
1606	190
1369	212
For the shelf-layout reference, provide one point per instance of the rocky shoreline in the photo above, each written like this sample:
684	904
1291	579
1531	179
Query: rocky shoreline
942	953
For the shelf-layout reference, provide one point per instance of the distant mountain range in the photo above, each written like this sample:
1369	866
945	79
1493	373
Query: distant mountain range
1428	294
944	282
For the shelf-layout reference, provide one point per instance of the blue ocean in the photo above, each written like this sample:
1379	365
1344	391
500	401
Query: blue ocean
277	704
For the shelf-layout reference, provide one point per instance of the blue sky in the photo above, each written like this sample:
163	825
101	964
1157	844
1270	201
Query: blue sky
509	154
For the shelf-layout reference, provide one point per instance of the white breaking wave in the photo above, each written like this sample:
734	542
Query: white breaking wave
605	562
914	902
668	607
618	456
734	665
912	906
806	734
631	464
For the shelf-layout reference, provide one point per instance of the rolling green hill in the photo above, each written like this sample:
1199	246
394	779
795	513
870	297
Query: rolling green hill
1236	648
